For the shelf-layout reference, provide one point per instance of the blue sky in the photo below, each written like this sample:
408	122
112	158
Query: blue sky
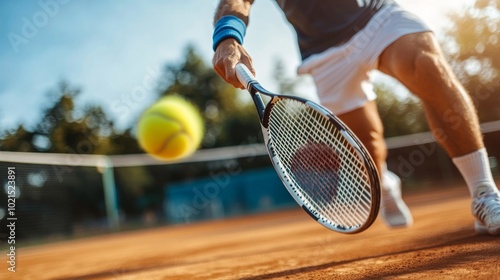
114	49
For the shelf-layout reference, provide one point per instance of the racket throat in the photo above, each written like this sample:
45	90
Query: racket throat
259	104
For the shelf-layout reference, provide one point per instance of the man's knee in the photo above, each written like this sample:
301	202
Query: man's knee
430	71
417	62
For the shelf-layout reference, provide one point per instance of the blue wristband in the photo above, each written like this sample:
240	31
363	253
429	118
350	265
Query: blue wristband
228	27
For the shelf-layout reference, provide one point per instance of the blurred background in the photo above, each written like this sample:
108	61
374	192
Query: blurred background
76	75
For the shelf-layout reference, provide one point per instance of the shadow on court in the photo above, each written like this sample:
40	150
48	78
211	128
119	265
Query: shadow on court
427	258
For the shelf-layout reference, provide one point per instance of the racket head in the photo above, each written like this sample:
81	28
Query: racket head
322	164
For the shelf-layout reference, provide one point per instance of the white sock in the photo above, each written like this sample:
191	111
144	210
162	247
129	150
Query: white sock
475	168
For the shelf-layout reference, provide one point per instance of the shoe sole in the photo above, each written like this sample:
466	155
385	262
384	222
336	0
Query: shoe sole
482	229
406	213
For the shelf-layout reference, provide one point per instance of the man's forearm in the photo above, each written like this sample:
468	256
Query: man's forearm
238	8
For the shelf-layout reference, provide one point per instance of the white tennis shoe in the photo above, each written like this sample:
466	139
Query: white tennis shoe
393	209
486	209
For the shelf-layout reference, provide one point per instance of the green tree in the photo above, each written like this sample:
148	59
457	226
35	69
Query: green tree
61	130
123	143
472	43
66	128
18	139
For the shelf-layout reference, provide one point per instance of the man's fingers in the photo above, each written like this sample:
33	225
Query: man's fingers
231	74
225	73
227	55
226	70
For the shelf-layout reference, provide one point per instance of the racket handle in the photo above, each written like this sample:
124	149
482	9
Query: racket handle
244	75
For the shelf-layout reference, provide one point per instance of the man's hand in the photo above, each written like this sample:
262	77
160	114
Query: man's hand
227	55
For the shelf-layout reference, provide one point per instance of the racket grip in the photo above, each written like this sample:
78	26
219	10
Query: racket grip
244	75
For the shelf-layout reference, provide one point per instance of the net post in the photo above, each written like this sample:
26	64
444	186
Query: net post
110	199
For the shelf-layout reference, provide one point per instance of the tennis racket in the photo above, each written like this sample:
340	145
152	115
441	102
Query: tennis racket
320	161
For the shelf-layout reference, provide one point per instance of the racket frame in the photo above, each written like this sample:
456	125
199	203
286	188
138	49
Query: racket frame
256	89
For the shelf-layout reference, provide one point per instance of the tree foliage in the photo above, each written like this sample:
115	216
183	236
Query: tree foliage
19	139
66	128
472	44
62	131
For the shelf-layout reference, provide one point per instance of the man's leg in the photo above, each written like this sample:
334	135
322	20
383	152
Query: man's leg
366	124
417	62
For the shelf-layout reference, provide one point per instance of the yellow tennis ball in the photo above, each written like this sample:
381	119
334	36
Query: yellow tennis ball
171	128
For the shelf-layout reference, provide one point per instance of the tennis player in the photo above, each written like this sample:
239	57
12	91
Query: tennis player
340	42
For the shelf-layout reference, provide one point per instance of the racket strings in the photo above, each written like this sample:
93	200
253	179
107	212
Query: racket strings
338	212
347	210
325	170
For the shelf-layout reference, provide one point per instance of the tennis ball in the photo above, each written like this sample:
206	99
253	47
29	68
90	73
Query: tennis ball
170	129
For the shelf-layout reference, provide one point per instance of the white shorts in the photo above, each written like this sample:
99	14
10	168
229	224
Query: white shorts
341	73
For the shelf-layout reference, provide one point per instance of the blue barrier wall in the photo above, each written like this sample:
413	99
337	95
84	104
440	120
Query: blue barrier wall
225	195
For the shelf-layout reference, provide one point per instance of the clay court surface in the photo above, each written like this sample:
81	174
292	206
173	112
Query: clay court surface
281	245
